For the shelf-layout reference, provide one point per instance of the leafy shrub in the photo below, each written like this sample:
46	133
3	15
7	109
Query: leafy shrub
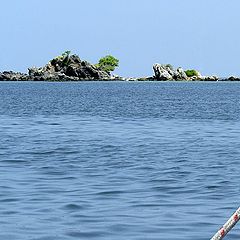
108	63
192	73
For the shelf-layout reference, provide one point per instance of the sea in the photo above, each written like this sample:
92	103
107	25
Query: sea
118	160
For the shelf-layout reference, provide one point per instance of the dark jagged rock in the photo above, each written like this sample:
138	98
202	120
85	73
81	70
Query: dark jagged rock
209	78
13	76
233	78
68	68
62	68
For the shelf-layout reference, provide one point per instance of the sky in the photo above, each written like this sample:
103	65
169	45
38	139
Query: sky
193	34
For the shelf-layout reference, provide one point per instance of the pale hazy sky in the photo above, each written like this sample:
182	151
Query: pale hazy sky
201	34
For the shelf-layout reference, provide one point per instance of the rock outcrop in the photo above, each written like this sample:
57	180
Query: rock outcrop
13	76
167	73
233	78
68	68
63	68
71	68
206	78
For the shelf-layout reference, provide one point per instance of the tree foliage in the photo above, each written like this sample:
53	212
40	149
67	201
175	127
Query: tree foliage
108	63
192	73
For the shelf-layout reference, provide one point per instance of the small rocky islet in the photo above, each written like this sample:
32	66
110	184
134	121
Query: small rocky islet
67	67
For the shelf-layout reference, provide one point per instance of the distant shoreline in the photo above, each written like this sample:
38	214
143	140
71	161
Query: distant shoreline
120	80
67	67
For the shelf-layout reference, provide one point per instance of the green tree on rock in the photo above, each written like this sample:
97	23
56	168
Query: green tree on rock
108	63
192	73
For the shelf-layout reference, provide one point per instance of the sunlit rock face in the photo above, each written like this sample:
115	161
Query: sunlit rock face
167	73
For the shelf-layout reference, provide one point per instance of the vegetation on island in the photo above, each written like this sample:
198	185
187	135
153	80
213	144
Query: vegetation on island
69	67
192	73
108	63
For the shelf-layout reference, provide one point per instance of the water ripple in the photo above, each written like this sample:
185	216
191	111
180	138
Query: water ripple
118	160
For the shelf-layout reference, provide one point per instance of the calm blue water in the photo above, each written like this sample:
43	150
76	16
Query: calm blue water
123	160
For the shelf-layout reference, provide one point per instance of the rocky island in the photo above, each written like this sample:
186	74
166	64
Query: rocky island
62	68
168	73
67	67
